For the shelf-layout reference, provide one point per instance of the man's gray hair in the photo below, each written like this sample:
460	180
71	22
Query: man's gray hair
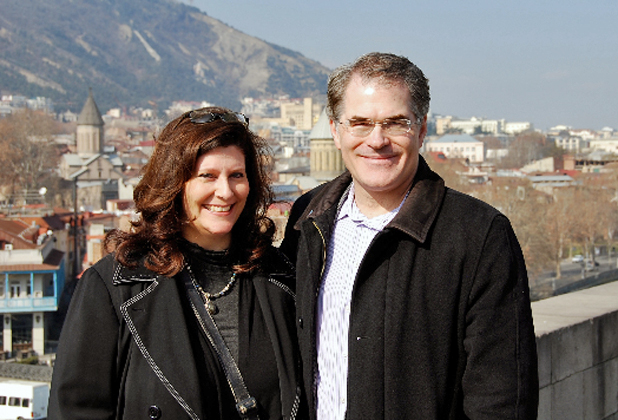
386	69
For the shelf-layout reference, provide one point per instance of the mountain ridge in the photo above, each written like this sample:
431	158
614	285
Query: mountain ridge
141	52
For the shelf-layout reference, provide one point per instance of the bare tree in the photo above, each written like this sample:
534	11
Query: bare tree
590	228
28	156
559	224
448	169
528	147
604	187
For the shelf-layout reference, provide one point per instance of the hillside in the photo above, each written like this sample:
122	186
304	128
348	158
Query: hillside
141	52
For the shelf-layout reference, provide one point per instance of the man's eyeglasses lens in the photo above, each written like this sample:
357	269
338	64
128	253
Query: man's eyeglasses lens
207	117
364	127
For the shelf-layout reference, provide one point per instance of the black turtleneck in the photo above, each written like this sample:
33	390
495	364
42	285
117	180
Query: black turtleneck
212	271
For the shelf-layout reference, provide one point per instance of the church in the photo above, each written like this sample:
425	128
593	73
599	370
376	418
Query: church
95	172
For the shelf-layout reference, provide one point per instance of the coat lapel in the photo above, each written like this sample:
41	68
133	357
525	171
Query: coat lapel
153	316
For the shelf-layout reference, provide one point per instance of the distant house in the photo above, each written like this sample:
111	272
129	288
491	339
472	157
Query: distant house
571	143
287	174
548	164
32	276
517	127
474	175
286	192
547	183
458	146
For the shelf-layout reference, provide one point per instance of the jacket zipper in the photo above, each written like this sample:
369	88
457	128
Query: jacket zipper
317	294
323	250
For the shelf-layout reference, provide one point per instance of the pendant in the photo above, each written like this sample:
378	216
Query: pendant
212	308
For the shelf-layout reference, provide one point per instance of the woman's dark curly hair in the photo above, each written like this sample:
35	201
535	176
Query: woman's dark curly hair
159	196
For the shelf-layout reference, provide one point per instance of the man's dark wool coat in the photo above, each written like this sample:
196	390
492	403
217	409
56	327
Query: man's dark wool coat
440	322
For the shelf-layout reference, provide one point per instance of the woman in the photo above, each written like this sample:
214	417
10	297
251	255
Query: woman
140	338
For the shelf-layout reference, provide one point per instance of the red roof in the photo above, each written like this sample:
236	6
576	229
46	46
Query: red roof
437	156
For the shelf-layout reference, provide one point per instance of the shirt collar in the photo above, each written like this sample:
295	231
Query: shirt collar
351	210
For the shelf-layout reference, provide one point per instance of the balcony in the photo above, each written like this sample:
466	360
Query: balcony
28	304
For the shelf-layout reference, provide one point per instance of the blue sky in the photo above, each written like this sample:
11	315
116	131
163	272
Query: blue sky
546	61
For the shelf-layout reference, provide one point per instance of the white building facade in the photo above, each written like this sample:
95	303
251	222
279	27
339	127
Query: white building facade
571	143
609	145
458	146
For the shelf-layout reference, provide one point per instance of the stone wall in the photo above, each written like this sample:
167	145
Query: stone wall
577	339
25	372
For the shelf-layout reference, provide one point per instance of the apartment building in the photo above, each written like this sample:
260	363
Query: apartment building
301	115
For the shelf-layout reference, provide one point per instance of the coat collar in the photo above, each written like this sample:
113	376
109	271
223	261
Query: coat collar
125	275
420	209
417	214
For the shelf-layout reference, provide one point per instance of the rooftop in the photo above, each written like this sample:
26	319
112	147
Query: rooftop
456	138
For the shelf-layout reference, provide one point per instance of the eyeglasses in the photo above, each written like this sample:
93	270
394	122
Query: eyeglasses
362	127
205	117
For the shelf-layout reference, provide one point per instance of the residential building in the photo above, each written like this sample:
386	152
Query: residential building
609	145
32	277
290	136
493	126
517	127
570	143
547	183
300	115
548	164
474	175
607	132
287	168
458	146
585	134
471	126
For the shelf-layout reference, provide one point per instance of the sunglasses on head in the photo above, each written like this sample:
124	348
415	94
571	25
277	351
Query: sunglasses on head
205	117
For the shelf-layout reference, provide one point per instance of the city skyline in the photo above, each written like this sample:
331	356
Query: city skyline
549	62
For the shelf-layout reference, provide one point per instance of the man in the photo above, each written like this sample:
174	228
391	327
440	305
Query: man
412	298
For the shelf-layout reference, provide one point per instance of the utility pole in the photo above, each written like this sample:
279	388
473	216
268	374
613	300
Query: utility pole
76	257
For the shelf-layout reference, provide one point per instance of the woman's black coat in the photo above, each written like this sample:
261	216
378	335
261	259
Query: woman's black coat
129	348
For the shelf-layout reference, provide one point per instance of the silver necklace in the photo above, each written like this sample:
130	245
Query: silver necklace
209	297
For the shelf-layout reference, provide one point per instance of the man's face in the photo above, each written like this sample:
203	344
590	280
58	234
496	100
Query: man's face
382	165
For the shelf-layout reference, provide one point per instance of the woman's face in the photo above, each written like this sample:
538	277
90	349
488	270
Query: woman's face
214	197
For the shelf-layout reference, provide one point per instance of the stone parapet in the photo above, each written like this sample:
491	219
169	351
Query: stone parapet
577	341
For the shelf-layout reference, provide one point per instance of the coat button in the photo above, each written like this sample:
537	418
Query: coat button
300	322
154	412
